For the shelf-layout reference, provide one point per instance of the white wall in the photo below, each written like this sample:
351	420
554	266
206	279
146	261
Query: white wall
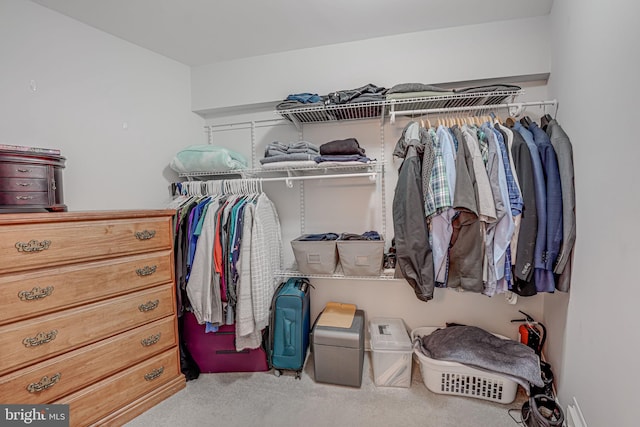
594	72
438	56
88	84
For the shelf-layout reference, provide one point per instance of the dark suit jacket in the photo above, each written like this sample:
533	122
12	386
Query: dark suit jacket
523	271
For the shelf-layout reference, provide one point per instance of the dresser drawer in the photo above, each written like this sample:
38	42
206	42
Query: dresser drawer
57	377
33	340
29	246
35	293
98	400
23	170
23	198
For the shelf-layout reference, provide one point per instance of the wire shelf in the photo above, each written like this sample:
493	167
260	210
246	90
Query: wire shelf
292	171
376	109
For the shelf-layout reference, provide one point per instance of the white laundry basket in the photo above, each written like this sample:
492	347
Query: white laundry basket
455	378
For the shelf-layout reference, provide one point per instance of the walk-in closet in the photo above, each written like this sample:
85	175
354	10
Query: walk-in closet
275	213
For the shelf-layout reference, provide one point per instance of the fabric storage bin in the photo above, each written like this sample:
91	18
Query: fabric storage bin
391	352
361	257
338	353
315	257
454	378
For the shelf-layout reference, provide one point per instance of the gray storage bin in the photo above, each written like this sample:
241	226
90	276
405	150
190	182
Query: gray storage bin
338	353
361	257
315	257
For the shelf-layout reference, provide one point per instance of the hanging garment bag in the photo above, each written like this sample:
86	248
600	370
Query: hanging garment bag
289	326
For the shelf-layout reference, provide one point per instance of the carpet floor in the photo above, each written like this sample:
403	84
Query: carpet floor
262	399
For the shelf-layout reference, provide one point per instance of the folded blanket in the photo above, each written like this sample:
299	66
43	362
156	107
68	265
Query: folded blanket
475	347
207	158
288	158
414	87
421	94
291	164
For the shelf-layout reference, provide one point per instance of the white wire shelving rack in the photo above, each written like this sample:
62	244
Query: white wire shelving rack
456	104
379	109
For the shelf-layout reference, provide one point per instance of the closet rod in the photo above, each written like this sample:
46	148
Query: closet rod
520	106
289	179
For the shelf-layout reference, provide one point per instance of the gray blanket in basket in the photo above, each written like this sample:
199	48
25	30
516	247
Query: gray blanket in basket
475	347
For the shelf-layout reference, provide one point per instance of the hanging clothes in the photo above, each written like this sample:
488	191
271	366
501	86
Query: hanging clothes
414	256
564	151
492	197
238	250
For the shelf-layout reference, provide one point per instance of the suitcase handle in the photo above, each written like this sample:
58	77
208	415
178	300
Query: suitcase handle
232	352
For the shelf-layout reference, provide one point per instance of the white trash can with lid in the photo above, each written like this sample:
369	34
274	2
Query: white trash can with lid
391	352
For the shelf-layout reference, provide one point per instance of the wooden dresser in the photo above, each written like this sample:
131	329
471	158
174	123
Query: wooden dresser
88	312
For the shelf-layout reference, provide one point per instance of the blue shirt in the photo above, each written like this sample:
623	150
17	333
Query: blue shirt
554	194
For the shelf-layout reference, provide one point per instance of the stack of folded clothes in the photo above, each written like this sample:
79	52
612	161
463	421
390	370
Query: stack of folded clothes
293	154
342	152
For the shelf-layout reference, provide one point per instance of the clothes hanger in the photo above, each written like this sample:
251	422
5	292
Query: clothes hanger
525	121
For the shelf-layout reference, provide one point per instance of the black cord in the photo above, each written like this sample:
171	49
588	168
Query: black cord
520	423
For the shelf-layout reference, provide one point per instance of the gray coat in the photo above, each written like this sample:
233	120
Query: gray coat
564	152
413	252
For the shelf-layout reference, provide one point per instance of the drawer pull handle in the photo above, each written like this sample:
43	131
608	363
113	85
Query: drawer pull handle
151	340
41	338
45	383
145	235
151	305
35	293
23	170
146	270
154	374
33	246
24	197
24	184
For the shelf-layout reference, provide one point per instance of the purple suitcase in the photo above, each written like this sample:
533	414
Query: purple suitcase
216	351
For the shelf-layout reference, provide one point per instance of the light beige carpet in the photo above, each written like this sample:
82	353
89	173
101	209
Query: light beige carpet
262	399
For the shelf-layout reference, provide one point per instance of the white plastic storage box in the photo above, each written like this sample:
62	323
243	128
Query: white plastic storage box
361	257
455	378
315	257
391	352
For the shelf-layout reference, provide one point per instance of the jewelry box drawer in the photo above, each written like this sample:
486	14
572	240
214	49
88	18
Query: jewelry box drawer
19	170
24	198
57	377
101	399
33	340
29	246
24	185
44	291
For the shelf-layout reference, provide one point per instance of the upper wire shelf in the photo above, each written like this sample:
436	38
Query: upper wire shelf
377	109
291	171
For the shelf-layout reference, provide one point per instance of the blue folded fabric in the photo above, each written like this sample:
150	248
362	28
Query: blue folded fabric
318	237
305	98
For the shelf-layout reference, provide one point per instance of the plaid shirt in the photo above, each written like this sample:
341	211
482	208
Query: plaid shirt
438	197
515	198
